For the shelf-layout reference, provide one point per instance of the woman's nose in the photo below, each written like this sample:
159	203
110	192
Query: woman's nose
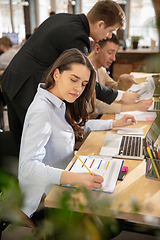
78	87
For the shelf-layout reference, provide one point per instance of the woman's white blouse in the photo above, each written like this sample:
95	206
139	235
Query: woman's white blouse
47	146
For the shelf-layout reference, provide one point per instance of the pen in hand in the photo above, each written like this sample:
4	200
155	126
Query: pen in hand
86	166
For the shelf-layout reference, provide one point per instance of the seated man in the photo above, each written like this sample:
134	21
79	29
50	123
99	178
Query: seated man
7	52
102	56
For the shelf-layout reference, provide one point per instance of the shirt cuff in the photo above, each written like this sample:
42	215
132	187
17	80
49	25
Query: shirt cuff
119	96
56	176
110	124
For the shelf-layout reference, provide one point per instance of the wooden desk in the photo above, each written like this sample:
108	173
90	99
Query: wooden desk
135	184
141	76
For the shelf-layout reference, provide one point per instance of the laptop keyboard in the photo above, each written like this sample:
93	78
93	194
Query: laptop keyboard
157	105
130	146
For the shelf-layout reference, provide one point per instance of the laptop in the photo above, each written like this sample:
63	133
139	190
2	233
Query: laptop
157	85
156	104
155	107
152	88
130	147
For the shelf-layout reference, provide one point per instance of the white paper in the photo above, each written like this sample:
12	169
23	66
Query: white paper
147	90
130	131
140	116
135	87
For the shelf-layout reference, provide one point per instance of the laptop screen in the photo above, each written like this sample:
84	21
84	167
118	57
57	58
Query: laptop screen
154	131
157	84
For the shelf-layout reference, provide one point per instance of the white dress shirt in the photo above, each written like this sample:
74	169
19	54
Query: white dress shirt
47	146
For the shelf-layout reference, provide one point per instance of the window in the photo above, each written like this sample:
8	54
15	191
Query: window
143	21
18	18
61	6
44	9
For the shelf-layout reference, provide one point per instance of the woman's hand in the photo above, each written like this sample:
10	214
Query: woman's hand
77	179
125	121
89	181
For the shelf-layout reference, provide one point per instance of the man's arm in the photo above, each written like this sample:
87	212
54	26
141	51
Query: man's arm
105	94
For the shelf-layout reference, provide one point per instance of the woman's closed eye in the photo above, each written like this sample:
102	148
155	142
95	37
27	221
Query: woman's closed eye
84	84
74	80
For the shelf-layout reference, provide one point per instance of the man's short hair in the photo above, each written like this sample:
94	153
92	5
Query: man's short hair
113	39
5	41
108	11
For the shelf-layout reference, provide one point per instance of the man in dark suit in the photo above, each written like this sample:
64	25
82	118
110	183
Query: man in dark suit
58	33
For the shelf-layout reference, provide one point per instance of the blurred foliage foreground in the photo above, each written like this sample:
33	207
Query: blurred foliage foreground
59	224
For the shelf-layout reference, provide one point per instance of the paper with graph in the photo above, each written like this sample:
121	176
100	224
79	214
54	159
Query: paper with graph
107	167
146	90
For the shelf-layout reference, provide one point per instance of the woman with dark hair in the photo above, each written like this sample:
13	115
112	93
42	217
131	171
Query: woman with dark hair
57	115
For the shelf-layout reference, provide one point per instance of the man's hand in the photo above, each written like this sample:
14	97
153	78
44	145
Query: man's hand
143	105
127	80
129	97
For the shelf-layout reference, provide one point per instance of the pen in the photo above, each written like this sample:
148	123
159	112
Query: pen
150	155
149	151
152	152
149	164
156	153
153	163
156	161
84	165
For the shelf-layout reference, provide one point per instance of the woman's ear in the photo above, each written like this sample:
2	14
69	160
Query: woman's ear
56	74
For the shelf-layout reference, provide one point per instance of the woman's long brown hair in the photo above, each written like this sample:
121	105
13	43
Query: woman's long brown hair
78	111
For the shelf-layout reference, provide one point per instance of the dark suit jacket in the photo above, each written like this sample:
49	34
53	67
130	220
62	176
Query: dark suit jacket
53	36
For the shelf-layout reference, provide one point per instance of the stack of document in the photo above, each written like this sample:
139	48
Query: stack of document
140	116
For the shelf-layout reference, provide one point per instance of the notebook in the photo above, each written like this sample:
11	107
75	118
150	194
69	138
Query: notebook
131	147
108	167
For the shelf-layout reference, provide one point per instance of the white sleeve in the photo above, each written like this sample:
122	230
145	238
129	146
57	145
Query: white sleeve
98	125
119	96
36	133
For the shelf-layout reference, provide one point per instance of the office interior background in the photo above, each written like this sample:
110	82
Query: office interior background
23	16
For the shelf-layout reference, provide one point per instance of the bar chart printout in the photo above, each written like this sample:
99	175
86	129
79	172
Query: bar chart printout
107	167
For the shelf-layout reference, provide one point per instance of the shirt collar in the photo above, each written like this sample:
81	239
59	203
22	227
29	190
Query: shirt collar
50	96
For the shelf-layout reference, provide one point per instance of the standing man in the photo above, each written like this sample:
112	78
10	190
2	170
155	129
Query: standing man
58	33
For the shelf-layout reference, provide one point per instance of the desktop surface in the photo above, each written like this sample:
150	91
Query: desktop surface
134	187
